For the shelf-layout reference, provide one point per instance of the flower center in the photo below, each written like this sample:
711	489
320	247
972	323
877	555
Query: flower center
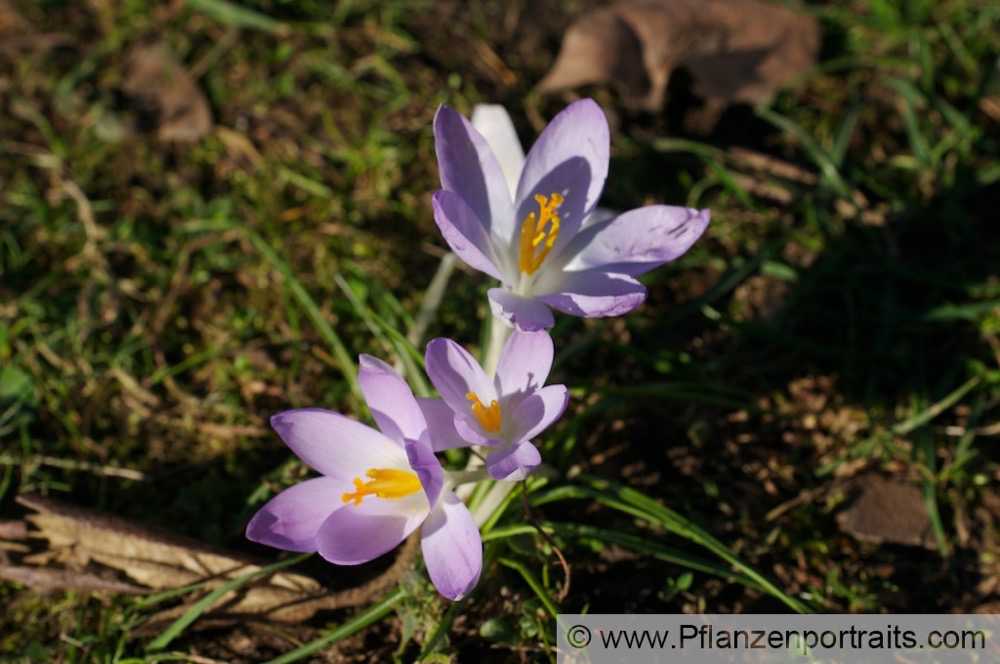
384	483
535	233
488	417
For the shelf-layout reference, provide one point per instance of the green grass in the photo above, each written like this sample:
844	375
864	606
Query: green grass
158	303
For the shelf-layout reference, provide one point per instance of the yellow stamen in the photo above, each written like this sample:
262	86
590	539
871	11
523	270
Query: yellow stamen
533	233
384	483
488	417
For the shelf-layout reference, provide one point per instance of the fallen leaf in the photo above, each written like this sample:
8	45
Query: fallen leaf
160	84
45	580
13	530
736	50
86	550
887	511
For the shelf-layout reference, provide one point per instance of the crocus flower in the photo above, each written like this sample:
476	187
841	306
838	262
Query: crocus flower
502	414
376	488
541	238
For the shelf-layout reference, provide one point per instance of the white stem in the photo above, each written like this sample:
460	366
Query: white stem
458	478
492	501
499	333
474	465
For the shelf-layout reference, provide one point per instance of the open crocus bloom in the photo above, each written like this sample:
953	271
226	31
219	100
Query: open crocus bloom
376	488
540	236
506	412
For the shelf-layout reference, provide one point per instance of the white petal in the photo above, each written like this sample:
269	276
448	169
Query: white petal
493	122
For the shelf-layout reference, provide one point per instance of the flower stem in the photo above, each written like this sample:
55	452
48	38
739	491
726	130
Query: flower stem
492	501
499	333
460	477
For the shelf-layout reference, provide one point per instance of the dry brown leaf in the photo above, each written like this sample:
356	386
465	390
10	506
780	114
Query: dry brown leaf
157	80
887	510
13	530
736	50
44	579
85	548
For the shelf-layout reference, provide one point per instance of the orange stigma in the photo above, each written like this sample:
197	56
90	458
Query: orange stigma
384	483
535	233
488	417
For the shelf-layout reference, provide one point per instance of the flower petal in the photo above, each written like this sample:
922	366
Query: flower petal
520	312
513	463
428	469
596	294
290	520
474	434
638	240
465	233
599	214
355	534
452	547
538	410
455	374
493	122
570	157
335	445
390	400
524	362
441	424
469	169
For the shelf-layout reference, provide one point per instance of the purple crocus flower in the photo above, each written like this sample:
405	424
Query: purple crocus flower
503	413
376	488
542	240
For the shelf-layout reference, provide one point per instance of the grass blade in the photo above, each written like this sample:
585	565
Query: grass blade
638	544
347	365
823	160
637	504
371	615
202	605
232	14
925	416
533	583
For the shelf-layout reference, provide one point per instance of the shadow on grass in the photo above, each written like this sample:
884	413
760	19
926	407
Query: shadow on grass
753	405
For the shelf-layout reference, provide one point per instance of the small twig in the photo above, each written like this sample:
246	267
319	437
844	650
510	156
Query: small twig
529	515
985	430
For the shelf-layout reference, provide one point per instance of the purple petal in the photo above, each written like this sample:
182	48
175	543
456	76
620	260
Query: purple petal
452	547
441	424
596	294
597	215
524	362
537	411
469	169
469	428
520	312
465	234
513	463
290	520
455	374
428	469
638	240
493	122
570	158
335	445
355	534
390	400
